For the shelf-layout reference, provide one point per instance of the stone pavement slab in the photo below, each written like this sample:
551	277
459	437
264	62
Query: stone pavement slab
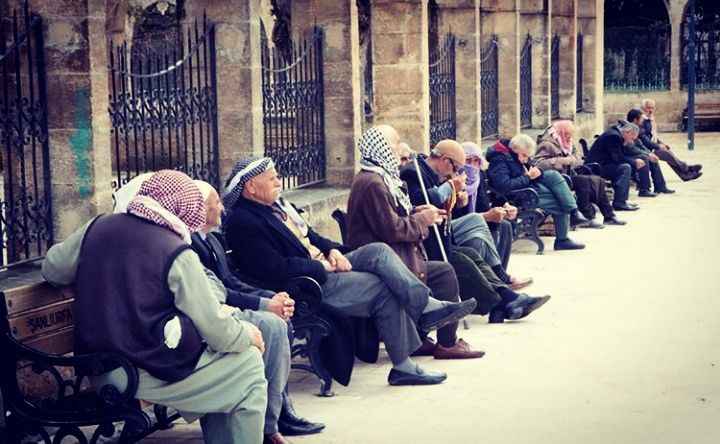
627	351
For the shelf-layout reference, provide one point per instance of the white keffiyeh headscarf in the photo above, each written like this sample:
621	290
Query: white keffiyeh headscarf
244	170
377	157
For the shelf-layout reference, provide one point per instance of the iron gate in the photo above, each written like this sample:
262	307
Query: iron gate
555	78
293	109
526	83
26	227
443	123
163	107
489	86
579	73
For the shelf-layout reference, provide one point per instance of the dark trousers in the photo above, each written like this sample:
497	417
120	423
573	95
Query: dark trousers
502	233
619	174
476	278
444	286
658	179
642	174
589	190
680	167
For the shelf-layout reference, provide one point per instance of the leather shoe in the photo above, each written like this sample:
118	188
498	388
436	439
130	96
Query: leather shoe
517	283
593	224
426	348
275	438
625	207
567	244
297	429
665	191
695	168
613	221
396	377
646	193
446	315
461	350
690	176
524	305
577	219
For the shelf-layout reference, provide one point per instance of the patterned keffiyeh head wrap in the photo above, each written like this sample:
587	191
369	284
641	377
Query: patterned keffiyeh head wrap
562	132
125	194
244	170
172	200
377	156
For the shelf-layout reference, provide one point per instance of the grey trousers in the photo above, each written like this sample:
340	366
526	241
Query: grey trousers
381	287
276	358
472	231
227	391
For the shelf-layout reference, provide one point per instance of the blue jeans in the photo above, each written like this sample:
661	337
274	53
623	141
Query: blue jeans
556	199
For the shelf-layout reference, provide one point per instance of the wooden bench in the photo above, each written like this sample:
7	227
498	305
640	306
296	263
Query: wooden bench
706	115
45	388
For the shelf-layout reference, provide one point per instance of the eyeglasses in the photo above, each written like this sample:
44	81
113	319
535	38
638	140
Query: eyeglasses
455	166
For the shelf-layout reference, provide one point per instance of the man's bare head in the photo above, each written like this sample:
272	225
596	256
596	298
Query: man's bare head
450	151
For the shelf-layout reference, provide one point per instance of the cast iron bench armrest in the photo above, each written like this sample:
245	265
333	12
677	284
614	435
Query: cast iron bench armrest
523	198
85	366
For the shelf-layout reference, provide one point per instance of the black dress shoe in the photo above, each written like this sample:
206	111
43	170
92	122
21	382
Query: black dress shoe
593	224
613	221
665	191
292	429
443	316
646	193
524	306
577	219
567	244
690	175
695	168
396	377
624	207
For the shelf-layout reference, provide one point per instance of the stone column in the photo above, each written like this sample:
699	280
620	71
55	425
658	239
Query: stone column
341	77
676	14
401	90
78	120
591	23
239	76
502	18
564	24
463	18
534	21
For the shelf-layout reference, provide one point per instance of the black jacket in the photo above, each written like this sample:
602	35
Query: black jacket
211	251
646	136
505	172
267	251
270	254
608	148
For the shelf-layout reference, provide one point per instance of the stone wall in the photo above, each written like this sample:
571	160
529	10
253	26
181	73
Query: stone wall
670	105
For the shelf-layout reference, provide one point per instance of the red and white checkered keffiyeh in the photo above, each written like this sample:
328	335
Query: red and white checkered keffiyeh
170	199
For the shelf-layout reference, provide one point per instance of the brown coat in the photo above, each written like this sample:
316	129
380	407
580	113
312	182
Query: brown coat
549	156
373	216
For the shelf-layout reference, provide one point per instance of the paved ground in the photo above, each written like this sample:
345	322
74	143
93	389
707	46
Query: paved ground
627	351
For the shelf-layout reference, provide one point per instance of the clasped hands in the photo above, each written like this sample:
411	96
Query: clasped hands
335	261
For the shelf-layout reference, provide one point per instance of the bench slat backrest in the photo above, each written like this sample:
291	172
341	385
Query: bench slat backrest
37	314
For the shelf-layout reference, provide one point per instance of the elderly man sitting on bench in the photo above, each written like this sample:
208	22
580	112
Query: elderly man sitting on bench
272	243
143	293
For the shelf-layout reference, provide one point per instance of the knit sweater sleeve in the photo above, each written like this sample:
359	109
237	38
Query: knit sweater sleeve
197	297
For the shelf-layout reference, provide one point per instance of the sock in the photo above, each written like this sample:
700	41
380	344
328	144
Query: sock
410	366
507	295
434	304
501	274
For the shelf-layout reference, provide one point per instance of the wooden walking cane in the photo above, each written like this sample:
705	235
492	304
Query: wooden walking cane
436	230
